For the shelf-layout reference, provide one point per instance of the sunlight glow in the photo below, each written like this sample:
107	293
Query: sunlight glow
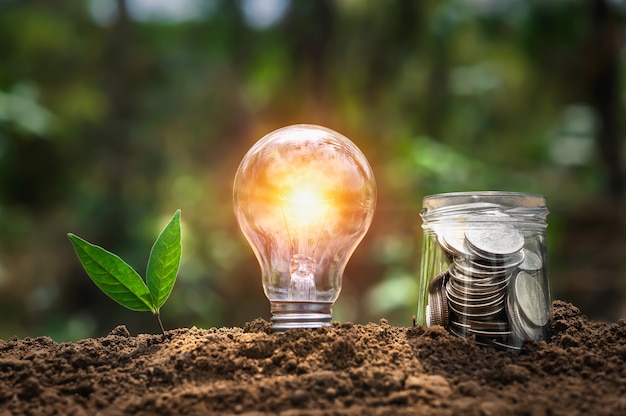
105	12
261	14
167	10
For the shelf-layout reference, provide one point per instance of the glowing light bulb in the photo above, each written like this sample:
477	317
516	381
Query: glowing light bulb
304	197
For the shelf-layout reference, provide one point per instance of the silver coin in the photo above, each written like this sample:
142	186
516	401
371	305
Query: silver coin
489	333
433	311
453	238
481	263
461	279
478	282
510	345
526	331
445	309
472	299
486	332
493	325
482	314
531	261
473	292
535	333
448	251
467	330
437	283
460	325
517	324
468	276
437	308
497	260
459	332
522	330
486	309
531	300
473	305
514	260
497	240
469	269
461	298
484	341
493	283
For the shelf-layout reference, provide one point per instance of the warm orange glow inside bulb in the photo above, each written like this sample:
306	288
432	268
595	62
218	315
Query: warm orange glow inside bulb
305	206
304	197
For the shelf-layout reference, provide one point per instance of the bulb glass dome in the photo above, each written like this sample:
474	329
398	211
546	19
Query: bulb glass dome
304	197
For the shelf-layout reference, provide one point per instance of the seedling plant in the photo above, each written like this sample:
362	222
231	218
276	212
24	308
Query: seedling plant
122	283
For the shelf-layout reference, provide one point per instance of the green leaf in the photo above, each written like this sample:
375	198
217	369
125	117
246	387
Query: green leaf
164	262
113	276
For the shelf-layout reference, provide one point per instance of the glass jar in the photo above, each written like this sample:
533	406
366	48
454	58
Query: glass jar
484	271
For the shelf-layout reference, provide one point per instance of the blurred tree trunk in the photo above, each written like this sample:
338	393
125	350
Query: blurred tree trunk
314	24
603	92
114	142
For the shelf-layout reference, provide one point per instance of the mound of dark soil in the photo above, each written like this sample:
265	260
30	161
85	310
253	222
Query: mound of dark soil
344	370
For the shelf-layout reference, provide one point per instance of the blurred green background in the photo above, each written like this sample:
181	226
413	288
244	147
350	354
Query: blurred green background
114	113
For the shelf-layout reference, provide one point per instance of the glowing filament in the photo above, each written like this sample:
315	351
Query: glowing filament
305	213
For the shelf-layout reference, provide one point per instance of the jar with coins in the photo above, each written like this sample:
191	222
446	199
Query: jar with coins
484	272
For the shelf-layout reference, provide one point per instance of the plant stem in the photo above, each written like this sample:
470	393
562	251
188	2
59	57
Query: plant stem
158	316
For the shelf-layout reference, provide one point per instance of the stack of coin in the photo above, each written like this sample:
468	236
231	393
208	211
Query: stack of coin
491	289
437	312
527	306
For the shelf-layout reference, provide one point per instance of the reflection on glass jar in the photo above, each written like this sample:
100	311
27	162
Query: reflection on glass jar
484	271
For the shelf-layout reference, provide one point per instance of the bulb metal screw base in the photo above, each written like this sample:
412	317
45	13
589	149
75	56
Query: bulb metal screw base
293	314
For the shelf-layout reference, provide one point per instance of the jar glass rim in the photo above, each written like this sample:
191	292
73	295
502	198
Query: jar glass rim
505	198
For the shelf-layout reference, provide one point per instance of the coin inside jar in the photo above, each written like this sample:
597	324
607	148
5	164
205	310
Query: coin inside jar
453	240
482	312
437	308
466	268
494	240
521	328
465	299
531	261
530	299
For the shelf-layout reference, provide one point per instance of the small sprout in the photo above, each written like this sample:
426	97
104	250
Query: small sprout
122	283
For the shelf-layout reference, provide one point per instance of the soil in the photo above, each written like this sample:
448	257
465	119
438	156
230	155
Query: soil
373	369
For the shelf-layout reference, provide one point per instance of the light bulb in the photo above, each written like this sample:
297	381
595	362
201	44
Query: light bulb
304	197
